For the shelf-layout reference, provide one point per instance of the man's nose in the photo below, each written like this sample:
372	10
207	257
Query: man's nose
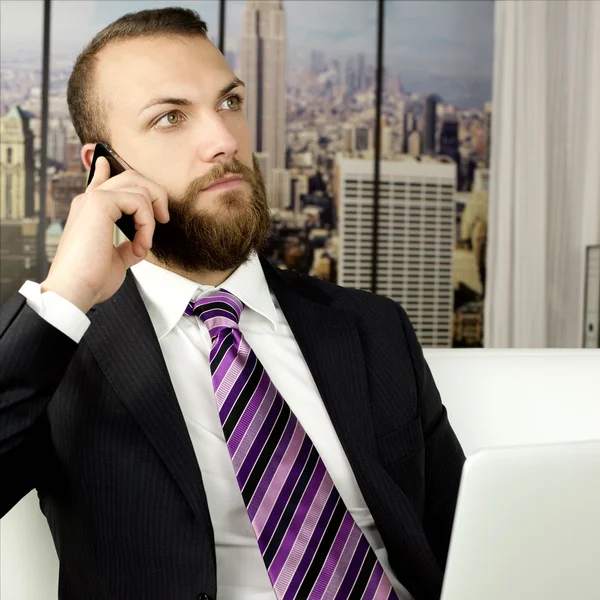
217	142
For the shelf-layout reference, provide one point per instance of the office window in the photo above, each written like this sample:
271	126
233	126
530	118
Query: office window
437	88
309	67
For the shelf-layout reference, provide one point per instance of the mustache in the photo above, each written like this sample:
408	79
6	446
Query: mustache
235	167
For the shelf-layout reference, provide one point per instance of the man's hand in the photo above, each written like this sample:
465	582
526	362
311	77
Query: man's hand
88	268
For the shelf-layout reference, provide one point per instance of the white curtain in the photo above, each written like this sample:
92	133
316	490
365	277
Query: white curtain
545	171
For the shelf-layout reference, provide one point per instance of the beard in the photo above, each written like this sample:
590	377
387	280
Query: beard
220	237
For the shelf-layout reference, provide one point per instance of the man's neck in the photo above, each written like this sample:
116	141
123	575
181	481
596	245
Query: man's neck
208	278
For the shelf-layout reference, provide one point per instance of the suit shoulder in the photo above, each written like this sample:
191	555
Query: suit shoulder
352	300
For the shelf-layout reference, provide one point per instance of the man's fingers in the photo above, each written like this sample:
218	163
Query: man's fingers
130	179
101	173
140	206
128	255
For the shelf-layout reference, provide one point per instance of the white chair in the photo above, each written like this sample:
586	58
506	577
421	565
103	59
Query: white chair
513	397
494	398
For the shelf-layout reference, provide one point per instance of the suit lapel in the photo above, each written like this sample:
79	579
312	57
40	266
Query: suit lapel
330	343
127	349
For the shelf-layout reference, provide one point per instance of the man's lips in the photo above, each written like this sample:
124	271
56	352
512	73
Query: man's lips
229	181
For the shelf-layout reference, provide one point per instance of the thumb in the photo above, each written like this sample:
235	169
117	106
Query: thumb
127	255
101	173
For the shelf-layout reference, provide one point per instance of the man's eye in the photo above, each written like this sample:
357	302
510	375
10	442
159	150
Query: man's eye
169	120
232	103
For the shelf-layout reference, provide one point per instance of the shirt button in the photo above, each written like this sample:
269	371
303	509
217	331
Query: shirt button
204	596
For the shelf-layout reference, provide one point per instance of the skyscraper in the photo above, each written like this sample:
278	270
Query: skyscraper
57	138
350	78
449	138
362	139
348	138
281	188
387	139
413	144
16	165
263	69
429	123
410	122
18	227
415	242
401	126
64	187
361	72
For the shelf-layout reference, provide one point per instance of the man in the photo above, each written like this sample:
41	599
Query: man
192	418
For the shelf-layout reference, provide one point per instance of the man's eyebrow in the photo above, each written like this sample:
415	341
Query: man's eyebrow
235	82
185	102
166	100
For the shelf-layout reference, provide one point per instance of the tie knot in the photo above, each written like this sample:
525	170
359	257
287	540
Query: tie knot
219	310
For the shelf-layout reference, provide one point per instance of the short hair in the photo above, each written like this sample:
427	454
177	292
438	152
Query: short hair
85	107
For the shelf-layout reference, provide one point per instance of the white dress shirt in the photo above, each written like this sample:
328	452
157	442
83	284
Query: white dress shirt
185	344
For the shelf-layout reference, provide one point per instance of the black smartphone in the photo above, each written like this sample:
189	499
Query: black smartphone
117	165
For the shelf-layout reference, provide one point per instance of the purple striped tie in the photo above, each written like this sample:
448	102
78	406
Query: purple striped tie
311	545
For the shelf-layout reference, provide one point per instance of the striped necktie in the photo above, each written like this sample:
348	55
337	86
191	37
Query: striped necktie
311	546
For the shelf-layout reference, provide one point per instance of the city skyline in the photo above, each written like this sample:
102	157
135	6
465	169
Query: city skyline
444	47
312	119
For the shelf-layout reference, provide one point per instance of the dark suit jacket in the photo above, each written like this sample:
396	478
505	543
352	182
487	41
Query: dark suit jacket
97	429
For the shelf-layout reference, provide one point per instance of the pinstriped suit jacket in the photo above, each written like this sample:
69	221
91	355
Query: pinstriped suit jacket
97	429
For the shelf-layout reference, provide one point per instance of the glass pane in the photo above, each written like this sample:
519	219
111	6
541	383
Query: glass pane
435	165
309	67
66	176
21	34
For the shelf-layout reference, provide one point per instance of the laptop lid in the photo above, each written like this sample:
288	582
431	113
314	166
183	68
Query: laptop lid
527	525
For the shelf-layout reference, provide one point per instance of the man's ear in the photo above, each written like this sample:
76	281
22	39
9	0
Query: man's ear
87	153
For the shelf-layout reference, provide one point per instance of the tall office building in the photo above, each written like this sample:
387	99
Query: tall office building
263	69
63	188
387	142
348	138
16	165
281	188
18	227
361	72
401	126
362	139
299	187
449	138
429	125
350	78
416	237
410	122
413	144
57	139
265	166
73	163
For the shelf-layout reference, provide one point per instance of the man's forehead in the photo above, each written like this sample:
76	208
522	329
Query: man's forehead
132	71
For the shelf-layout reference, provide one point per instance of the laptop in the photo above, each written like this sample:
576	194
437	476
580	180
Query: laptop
527	525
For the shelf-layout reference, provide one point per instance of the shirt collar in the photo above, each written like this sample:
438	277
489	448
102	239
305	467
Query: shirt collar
166	294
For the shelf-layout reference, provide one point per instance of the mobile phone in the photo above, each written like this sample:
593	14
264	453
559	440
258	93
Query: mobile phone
117	165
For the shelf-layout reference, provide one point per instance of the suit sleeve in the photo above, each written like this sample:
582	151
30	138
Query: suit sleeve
444	457
34	356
